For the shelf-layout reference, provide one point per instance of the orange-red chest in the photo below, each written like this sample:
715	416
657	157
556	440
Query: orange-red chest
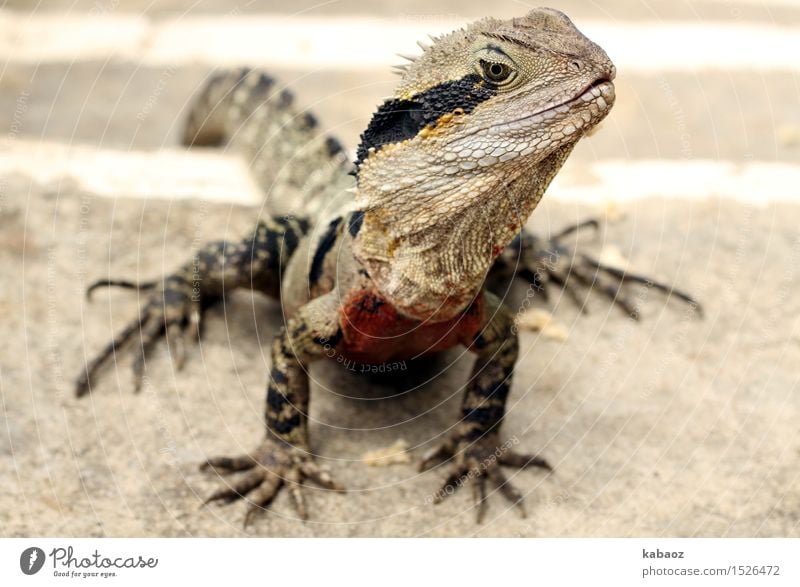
374	332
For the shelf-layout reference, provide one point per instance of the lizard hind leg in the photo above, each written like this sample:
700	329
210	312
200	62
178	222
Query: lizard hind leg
249	112
171	310
174	306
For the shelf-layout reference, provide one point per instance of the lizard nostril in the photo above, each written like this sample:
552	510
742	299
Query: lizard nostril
576	65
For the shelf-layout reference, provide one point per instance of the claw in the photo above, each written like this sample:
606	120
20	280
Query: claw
229	464
176	343
224	495
479	494
322	478
166	312
119	283
570	291
262	498
508	490
237	491
194	321
150	332
273	465
522	461
453	481
476	462
609	289
436	456
293	482
624	276
252	510
84	382
595	224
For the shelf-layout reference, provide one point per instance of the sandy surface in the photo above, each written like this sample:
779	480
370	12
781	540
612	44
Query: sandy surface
674	426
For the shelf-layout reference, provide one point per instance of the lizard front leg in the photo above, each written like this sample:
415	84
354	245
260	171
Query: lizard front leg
284	458
474	450
547	263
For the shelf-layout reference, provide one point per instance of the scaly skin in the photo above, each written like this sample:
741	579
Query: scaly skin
447	173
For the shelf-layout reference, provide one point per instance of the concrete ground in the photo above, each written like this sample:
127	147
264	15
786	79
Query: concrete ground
674	426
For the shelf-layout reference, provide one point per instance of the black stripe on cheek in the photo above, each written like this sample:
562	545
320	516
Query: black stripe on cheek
323	248
393	122
398	120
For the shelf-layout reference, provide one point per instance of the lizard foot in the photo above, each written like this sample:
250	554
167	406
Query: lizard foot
171	309
266	470
476	461
557	264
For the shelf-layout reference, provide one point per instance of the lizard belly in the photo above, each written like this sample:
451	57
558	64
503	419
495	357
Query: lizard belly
373	331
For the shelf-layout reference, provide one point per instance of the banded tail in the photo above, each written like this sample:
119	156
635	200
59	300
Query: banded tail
291	159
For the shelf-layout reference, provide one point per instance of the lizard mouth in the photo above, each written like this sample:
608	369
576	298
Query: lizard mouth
597	83
600	92
595	100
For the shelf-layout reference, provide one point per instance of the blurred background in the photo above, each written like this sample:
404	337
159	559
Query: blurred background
674	426
714	81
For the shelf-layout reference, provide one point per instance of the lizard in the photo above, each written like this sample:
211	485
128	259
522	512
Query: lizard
393	256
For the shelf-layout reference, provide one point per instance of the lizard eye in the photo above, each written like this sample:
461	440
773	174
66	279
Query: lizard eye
495	72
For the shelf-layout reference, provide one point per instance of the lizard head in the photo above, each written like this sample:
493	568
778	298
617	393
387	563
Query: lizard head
461	154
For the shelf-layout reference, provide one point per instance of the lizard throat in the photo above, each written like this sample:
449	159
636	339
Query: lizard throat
433	271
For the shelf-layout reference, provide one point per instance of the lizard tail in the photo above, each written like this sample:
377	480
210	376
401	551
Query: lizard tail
290	157
212	115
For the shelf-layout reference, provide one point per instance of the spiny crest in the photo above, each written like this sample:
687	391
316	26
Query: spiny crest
445	59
